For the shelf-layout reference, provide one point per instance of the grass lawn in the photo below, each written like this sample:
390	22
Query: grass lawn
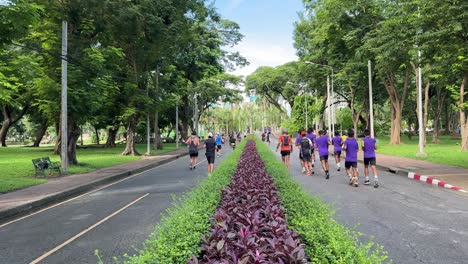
16	169
446	152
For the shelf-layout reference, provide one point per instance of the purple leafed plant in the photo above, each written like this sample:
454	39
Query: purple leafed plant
249	226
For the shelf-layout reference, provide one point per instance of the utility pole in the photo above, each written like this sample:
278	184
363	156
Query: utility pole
328	102
177	122
421	152
371	103
64	120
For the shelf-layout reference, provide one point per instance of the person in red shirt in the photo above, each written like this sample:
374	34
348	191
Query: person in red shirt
286	145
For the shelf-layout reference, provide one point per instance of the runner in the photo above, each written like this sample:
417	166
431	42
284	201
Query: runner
369	145
322	144
298	144
263	136
268	138
286	147
193	142
311	135
351	147
219	142
305	146
337	142
210	146
232	141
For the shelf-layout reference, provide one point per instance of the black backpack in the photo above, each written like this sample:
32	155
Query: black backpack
305	145
285	141
192	147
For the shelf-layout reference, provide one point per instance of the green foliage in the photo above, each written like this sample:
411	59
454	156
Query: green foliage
179	233
325	240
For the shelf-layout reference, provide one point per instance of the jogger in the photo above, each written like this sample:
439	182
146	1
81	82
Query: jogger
351	147
369	145
322	144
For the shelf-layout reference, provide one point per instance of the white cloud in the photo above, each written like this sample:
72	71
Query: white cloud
263	52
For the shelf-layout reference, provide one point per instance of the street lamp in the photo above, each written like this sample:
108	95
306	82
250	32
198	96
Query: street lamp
328	92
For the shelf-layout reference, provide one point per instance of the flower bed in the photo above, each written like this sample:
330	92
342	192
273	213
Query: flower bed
178	235
249	226
326	241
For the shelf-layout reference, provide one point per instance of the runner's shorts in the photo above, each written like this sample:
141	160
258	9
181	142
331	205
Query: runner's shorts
300	155
307	157
349	164
312	151
324	157
369	160
193	154
285	153
338	153
210	158
219	147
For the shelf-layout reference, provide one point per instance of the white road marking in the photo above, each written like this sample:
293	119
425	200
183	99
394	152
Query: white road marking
52	251
74	198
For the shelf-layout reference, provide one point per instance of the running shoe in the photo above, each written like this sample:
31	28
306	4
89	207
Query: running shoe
350	180
366	182
376	184
356	184
338	169
303	170
328	176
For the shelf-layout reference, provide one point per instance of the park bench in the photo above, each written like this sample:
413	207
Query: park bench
42	165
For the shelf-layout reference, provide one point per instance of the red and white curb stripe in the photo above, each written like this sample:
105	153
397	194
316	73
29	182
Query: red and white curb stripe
433	181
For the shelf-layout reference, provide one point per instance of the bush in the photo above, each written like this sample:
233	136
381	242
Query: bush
325	240
249	226
179	234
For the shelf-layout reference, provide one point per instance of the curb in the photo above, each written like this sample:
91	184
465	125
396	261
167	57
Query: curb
430	180
75	191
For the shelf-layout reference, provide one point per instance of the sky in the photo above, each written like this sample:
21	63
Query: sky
267	26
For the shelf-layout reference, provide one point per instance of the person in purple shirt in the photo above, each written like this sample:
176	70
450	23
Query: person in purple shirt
369	145
351	147
322	144
311	135
337	141
297	143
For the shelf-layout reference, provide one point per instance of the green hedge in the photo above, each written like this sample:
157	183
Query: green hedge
326	241
179	233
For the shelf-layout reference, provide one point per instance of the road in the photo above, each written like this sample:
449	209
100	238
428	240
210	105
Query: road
53	236
415	222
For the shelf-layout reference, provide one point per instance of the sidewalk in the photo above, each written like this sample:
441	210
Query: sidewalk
455	176
58	189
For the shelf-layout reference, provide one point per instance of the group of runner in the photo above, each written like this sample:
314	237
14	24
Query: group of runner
213	148
307	142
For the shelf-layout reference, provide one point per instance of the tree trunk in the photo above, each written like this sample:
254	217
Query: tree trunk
438	113
130	147
111	136
74	132
40	134
463	118
396	103
4	130
9	120
96	131
158	144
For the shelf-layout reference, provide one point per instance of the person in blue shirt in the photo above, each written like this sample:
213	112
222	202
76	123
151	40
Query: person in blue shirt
219	142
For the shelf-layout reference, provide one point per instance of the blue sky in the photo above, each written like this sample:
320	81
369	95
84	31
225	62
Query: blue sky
267	26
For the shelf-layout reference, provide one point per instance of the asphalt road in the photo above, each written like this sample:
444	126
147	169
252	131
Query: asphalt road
58	235
415	222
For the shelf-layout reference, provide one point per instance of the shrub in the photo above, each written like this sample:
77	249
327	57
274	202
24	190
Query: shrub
325	240
178	235
249	226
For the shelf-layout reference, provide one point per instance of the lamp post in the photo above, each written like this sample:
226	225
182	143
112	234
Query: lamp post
328	91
